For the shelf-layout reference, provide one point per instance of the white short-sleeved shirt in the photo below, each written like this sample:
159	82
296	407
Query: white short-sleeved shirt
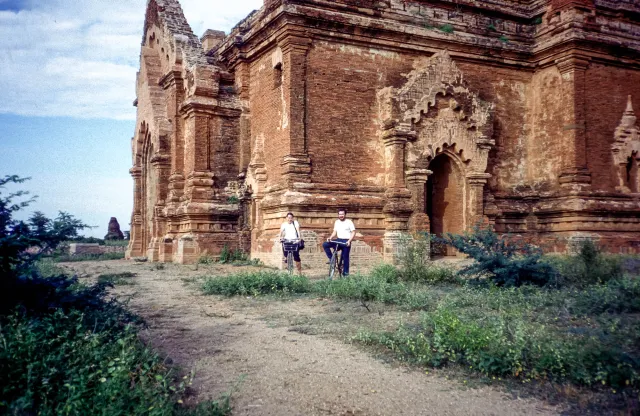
344	228
290	231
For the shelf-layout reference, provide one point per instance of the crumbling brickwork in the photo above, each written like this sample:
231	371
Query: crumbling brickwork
414	115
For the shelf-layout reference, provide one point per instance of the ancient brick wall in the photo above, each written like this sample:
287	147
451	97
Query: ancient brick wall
269	113
544	149
513	107
342	110
507	89
608	88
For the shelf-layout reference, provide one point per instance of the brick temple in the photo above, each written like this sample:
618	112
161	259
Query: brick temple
414	115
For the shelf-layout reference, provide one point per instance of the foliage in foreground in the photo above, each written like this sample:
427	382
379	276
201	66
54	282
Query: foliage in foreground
62	363
64	347
527	333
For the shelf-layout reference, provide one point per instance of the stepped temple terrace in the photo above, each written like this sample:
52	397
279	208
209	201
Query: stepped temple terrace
413	115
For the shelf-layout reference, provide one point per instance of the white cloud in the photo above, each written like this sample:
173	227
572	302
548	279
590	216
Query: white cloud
79	58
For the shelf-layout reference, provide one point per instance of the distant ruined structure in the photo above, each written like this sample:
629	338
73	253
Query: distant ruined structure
113	231
415	115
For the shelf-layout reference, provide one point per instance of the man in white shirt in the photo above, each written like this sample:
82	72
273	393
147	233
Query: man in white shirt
290	230
344	230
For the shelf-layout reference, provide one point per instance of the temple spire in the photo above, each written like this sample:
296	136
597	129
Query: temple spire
629	117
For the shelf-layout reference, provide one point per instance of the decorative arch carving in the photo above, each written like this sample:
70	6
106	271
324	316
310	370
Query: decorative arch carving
439	111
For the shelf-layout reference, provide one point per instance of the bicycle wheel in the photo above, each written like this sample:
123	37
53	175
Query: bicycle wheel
340	266
332	266
290	262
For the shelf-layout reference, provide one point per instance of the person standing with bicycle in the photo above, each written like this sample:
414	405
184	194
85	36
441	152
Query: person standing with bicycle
290	234
344	230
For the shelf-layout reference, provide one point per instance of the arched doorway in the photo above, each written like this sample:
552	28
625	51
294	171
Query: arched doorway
445	200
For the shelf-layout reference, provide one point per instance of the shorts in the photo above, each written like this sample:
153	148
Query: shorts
296	254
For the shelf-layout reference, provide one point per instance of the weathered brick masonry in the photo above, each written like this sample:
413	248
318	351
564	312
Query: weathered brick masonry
414	115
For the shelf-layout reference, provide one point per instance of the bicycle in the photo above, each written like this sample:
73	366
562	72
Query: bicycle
336	263
289	246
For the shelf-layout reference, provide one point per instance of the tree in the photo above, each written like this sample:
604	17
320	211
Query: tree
22	242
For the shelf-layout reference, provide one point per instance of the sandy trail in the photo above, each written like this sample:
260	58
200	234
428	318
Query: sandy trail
285	372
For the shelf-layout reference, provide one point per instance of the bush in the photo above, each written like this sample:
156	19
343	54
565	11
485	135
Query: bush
506	261
517	333
65	363
379	286
416	265
206	259
117	278
362	288
589	266
385	272
255	283
229	256
615	296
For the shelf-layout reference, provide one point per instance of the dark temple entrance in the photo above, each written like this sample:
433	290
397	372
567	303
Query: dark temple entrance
445	201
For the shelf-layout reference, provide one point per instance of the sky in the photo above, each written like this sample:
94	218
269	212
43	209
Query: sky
67	86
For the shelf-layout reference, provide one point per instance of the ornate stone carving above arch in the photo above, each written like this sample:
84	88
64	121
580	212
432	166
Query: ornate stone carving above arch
438	109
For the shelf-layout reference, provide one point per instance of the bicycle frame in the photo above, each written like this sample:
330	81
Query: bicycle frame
289	246
336	260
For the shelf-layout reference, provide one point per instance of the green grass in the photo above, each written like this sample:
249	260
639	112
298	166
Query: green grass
380	286
256	283
527	333
586	335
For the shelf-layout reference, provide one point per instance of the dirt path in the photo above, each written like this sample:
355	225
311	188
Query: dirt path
287	371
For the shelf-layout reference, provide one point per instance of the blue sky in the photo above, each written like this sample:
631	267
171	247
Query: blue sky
67	76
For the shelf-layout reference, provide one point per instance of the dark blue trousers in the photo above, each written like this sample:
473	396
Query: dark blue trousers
328	245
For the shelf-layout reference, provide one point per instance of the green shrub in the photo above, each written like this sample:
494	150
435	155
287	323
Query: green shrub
206	259
506	261
416	265
364	288
65	348
377	287
615	296
256	283
589	266
228	256
385	272
447	28
517	333
64	363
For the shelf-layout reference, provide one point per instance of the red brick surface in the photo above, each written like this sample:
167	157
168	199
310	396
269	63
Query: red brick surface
308	106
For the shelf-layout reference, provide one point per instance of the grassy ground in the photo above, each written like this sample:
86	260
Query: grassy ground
579	340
